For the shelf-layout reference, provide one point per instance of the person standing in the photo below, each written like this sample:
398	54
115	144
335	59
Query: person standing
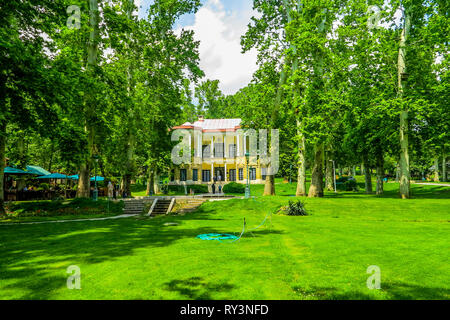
213	187
110	190
115	192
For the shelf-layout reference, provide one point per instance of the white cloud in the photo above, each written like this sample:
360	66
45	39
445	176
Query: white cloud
219	32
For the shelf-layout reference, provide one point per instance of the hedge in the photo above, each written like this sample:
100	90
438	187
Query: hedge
197	188
234	187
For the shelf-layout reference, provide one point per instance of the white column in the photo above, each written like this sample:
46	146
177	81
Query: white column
199	150
225	149
190	141
244	140
212	147
238	150
212	171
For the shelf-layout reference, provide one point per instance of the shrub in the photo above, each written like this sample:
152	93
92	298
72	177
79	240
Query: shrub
198	188
234	187
44	186
296	208
349	185
77	206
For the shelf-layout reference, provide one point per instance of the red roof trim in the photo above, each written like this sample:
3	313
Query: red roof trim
207	130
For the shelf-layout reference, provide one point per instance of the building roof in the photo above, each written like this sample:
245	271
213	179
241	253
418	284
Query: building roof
211	125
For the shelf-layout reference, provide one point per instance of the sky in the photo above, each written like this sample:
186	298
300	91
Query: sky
219	25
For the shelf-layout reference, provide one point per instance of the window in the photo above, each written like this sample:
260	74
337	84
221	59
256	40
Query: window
172	175
206	151
218	150
206	175
252	172
183	174
263	173
232	151
241	174
195	175
232	175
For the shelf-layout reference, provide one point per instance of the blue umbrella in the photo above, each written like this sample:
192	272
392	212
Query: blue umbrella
98	178
37	171
74	177
54	176
10	170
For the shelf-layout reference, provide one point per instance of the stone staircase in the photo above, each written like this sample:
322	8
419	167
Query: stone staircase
191	205
133	207
161	207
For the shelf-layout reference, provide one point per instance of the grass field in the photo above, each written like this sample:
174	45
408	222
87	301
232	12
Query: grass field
321	256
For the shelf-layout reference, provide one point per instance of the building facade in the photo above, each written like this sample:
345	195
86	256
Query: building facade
218	149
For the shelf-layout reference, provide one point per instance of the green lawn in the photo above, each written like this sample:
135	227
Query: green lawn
321	256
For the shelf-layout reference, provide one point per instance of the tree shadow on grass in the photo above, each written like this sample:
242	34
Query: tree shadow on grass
417	192
196	288
405	291
393	291
34	258
330	293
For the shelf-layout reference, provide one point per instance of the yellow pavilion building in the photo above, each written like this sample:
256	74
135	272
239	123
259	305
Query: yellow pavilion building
218	153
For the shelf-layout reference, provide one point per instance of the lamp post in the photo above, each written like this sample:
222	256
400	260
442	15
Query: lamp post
334	175
95	193
247	187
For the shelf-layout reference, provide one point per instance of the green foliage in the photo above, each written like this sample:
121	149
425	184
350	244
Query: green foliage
63	208
44	186
346	184
197	188
234	187
295	208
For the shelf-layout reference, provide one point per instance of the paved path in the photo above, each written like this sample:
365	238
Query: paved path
75	220
433	184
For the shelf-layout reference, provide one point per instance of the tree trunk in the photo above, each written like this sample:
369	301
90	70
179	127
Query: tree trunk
362	169
129	148
329	178
2	167
436	170
83	190
156	182
444	168
380	173
126	184
316	188
367	177
150	183
269	187
21	183
301	175
52	152
404	144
